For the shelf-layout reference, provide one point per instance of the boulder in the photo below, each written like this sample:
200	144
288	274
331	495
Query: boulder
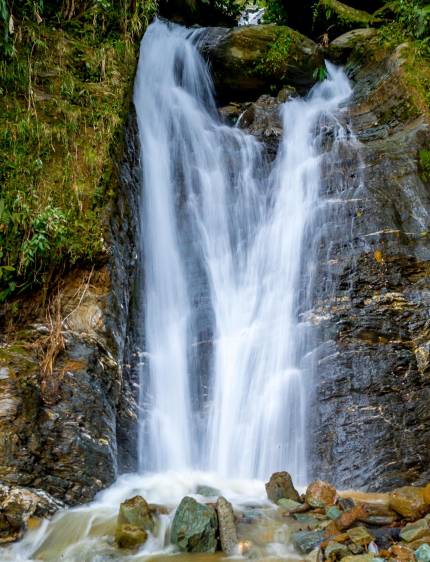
306	541
207	491
422	553
135	520
335	550
248	61
409	502
136	511
415	530
360	536
281	486
320	494
194	527
341	48
17	505
130	536
227	527
334	18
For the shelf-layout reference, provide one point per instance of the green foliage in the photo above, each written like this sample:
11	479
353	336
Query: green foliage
320	73
64	95
275	60
276	12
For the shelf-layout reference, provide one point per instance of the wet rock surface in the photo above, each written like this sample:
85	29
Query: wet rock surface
194	527
372	422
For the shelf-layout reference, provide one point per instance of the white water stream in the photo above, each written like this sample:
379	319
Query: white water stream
229	245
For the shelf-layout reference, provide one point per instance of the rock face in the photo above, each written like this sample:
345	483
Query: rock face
64	397
372	422
194	527
247	61
281	486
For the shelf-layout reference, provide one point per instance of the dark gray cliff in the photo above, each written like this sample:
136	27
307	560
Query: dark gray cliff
372	386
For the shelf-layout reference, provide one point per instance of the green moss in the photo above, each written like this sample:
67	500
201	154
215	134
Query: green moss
64	97
335	17
424	164
274	61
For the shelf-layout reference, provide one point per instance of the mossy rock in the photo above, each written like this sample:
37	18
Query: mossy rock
334	18
248	61
343	46
130	536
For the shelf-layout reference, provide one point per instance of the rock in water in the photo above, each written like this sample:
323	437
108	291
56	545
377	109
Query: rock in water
306	541
320	494
409	502
135	511
135	519
129	536
194	527
207	491
227	527
281	486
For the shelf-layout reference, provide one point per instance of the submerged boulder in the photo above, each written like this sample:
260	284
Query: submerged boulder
247	61
194	527
281	486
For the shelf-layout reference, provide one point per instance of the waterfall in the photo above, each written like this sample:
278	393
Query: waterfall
229	244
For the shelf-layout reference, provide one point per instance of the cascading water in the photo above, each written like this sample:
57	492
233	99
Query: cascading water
213	205
233	246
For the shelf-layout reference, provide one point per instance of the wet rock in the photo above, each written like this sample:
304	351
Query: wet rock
341	47
402	553
385	536
136	511
408	502
289	505
320	494
281	486
360	536
306	521
426	493
247	60
335	550
416	530
333	512
194	527
227	527
306	541
130	536
207	491
422	553
263	120
17	505
362	558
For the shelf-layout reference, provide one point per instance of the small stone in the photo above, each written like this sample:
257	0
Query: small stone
423	553
313	556
320	494
305	541
360	536
348	518
130	536
408	502
402	553
419	542
414	531
288	505
333	512
385	536
362	558
335	550
281	486
306	520
227	527
207	491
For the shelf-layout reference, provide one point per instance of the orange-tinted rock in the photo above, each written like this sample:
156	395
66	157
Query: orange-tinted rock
409	502
402	553
320	494
426	493
348	518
